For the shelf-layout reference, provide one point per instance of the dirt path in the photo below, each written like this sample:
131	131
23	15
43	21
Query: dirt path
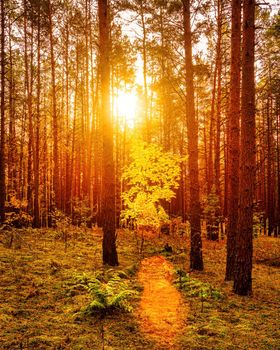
161	311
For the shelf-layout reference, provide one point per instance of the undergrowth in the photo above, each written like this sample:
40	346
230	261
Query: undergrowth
109	292
195	288
42	289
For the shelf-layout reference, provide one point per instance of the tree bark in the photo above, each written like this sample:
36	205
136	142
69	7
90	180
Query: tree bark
108	209
12	185
234	137
56	170
29	95
244	237
147	131
36	221
210	179
2	149
277	231
270	163
218	109
68	174
196	261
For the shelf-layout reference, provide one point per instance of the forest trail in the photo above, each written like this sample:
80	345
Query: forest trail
161	311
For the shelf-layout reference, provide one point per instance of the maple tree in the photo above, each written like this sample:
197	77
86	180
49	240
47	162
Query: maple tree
151	179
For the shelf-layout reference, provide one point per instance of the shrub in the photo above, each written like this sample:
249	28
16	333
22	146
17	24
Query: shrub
212	213
16	215
81	212
196	288
150	179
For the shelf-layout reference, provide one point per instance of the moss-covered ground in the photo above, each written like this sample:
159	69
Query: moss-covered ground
39	304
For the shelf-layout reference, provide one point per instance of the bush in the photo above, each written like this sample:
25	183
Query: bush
212	213
150	179
258	223
81	213
16	215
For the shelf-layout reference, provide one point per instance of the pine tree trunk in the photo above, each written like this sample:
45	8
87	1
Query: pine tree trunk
210	179
12	183
68	173
218	109
56	170
234	130
196	261
2	145
108	209
87	167
270	179
96	154
147	131
263	174
244	237
36	221
278	171
29	105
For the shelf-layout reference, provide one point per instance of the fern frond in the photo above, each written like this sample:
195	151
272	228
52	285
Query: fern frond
106	296
96	305
117	300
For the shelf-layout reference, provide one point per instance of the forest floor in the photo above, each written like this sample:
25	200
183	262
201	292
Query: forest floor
39	304
161	311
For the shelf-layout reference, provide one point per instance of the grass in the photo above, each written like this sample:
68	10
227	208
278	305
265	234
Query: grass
234	322
38	304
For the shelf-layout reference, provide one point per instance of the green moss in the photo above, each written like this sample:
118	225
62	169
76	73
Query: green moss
229	322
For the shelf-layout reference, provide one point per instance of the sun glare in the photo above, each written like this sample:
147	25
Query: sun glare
126	107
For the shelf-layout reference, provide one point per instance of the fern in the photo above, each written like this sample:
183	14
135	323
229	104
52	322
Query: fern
108	292
195	288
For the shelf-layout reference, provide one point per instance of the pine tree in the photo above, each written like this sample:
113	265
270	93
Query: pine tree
196	261
2	144
108	209
234	130
244	237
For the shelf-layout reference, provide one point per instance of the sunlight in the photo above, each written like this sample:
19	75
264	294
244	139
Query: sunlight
126	107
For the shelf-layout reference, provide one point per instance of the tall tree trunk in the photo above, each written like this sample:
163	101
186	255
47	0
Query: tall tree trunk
95	132
196	261
218	108
244	236
96	191
278	167
108	209
210	179
234	130
56	170
28	87
226	152
270	163
68	176
212	224
147	131
87	167
2	149
263	173
206	166
36	221
74	147
12	185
